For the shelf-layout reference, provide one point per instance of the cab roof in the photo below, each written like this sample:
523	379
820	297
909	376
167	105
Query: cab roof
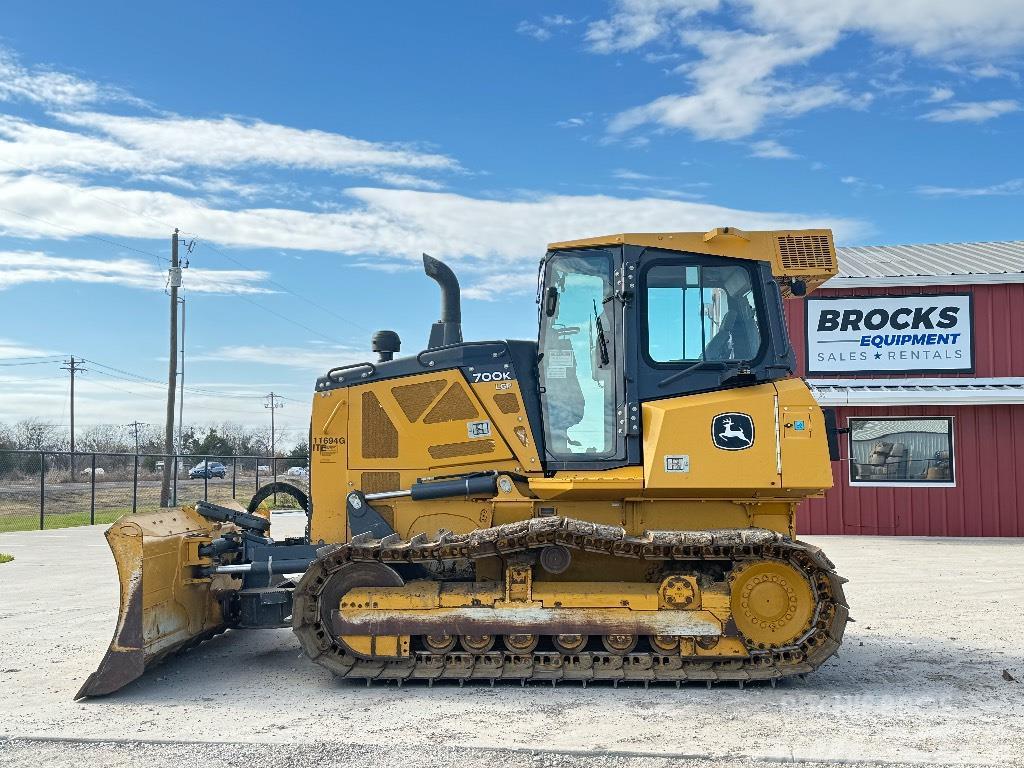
804	254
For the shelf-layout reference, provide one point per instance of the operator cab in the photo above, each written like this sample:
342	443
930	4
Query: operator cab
627	323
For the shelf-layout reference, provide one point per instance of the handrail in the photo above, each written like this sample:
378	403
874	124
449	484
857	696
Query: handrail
461	345
333	373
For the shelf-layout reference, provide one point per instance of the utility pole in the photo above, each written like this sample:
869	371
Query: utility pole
173	283
136	425
73	366
273	403
181	395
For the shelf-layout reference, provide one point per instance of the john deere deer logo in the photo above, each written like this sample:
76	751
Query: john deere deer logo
732	431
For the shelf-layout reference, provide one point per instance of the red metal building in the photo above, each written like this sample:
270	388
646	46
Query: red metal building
920	349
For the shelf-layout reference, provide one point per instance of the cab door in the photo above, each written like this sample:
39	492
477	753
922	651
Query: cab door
581	360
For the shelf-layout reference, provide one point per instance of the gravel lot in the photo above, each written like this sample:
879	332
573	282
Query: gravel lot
919	680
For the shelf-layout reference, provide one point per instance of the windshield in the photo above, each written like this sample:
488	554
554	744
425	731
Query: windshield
701	313
578	357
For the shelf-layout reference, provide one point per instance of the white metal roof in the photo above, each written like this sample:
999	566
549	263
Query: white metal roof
938	264
890	392
874	430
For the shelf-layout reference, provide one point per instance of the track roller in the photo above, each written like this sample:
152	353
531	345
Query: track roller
569	643
477	643
521	643
439	643
619	644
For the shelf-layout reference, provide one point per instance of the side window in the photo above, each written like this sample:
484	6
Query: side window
901	451
578	362
697	313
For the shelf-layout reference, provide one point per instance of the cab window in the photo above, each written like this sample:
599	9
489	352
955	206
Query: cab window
701	313
578	358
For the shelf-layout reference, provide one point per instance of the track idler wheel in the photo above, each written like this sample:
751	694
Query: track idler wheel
349	577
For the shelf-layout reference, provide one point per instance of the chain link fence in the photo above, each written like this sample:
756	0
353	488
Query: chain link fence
56	489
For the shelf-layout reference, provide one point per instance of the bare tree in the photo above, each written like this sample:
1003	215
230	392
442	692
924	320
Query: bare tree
37	435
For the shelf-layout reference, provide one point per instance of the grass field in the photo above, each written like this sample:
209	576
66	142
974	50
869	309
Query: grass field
23	521
67	508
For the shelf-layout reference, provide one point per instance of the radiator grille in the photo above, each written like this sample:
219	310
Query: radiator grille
379	482
380	438
469	448
806	252
414	399
507	402
454	405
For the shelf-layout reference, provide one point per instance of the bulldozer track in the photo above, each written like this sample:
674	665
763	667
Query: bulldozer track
820	641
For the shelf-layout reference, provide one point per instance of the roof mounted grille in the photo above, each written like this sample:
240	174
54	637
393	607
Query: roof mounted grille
805	252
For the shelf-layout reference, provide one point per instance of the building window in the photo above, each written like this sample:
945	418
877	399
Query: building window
902	451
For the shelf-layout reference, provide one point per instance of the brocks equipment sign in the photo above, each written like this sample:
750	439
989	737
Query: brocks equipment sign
867	334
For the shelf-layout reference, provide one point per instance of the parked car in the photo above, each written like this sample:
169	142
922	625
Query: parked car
88	471
207	469
297	472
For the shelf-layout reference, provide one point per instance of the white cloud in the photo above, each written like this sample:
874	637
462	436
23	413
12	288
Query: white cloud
490	235
1011	187
495	287
991	70
13	349
940	94
733	87
545	28
536	31
739	78
972	111
665	192
21	267
231	142
771	149
159	149
47	86
317	358
638	22
628	175
572	122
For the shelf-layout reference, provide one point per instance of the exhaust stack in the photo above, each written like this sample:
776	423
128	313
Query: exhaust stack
447	330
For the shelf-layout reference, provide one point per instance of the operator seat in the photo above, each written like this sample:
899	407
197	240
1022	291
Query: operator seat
565	403
738	338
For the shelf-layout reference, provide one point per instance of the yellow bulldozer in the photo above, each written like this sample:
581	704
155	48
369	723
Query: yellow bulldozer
612	502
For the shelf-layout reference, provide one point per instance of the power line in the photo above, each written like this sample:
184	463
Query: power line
285	318
51	361
83	234
92	193
286	289
146	380
151	383
151	395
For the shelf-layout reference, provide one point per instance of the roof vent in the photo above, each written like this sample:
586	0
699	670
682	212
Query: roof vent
805	252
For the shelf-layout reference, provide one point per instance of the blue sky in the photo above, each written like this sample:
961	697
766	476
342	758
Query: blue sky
312	153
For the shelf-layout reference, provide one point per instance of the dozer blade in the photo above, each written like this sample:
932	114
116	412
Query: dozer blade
164	605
